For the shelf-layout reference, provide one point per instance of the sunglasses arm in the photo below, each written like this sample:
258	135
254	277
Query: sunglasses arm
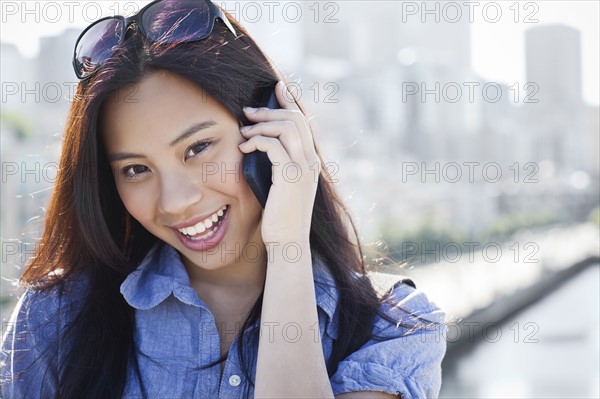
223	18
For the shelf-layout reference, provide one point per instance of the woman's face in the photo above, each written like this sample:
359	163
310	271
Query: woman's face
175	159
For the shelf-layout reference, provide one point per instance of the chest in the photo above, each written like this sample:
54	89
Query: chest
229	325
178	339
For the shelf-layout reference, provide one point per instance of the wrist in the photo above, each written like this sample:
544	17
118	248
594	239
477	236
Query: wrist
288	251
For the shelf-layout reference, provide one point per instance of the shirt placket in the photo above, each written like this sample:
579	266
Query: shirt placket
233	382
207	382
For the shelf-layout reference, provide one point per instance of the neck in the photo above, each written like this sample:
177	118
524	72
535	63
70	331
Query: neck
241	279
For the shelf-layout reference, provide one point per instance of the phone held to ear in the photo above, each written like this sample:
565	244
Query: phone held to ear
256	166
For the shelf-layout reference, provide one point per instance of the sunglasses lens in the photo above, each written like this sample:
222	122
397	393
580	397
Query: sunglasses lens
97	45
172	21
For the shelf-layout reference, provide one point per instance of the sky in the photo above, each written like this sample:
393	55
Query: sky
497	47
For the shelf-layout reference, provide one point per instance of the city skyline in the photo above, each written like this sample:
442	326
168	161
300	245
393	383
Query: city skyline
467	155
497	48
383	109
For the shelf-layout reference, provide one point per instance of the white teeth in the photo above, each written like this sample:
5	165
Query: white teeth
202	226
207	235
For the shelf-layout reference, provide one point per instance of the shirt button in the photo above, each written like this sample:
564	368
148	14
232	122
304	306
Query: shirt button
235	380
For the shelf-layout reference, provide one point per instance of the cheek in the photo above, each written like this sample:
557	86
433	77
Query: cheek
231	182
135	204
242	187
228	177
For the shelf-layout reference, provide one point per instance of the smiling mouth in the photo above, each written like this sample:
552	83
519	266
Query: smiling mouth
206	228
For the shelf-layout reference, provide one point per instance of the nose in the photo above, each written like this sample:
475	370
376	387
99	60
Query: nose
178	192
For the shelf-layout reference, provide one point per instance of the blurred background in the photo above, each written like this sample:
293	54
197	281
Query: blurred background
464	137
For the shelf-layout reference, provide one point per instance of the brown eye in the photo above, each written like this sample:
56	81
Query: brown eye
197	148
133	171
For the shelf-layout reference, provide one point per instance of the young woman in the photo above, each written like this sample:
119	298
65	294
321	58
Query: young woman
160	275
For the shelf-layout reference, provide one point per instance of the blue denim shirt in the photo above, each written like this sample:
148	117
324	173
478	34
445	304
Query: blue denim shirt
177	330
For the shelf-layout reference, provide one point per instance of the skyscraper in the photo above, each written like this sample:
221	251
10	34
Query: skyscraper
553	56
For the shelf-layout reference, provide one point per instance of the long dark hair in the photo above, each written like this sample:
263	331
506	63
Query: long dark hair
87	228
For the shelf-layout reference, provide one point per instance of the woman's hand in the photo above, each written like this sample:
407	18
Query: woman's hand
285	136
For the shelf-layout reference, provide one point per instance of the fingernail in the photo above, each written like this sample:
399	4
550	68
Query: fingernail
249	110
245	128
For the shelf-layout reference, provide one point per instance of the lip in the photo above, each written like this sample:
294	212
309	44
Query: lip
194	221
208	243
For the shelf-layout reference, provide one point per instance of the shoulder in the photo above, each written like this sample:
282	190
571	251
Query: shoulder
404	354
39	311
30	349
411	306
36	304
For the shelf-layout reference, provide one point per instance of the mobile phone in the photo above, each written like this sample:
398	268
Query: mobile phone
256	166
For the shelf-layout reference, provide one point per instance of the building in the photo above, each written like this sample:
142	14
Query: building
553	55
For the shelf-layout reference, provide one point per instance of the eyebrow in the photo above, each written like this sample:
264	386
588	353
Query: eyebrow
195	128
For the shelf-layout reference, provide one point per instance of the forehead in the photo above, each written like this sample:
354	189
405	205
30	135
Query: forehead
162	104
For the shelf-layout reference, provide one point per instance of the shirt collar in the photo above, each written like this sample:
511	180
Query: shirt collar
161	273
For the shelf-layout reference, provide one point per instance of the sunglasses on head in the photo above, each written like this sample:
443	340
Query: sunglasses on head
167	21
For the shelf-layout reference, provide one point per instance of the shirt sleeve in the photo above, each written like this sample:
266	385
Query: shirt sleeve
28	359
31	349
407	360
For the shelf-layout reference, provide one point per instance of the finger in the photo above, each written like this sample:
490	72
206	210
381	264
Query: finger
285	97
265	114
274	149
286	131
268	114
